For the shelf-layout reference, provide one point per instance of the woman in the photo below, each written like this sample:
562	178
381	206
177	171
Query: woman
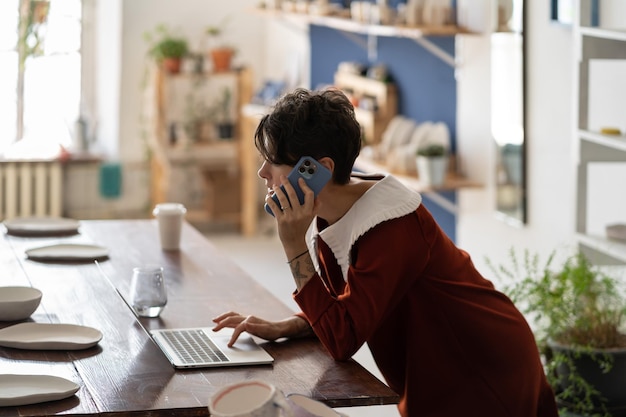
371	265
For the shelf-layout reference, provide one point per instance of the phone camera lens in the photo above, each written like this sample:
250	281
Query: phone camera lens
311	171
301	169
307	163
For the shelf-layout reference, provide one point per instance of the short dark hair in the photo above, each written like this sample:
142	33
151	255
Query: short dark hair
319	123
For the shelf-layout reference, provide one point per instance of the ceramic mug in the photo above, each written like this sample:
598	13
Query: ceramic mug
252	398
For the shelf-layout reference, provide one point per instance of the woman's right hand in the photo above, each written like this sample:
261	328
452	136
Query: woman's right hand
268	330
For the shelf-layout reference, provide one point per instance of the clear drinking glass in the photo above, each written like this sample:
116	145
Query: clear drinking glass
148	295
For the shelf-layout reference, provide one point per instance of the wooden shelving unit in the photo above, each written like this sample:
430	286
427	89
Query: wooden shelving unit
206	174
384	100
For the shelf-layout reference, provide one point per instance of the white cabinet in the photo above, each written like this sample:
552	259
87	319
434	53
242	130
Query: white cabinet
600	72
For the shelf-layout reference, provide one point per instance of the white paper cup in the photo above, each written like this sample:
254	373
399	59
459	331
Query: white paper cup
170	219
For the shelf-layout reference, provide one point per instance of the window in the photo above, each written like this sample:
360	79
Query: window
39	103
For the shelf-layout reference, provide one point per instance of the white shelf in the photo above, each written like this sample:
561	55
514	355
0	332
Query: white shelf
613	248
618	35
610	141
595	43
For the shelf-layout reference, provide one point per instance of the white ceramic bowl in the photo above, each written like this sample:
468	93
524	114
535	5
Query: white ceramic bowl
18	303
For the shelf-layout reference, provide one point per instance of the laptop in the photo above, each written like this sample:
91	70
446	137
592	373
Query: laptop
200	347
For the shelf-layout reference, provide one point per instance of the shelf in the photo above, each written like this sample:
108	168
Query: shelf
453	181
210	154
597	43
609	141
349	25
618	35
373	121
612	248
419	34
195	166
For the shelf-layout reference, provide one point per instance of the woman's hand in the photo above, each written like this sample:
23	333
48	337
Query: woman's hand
293	220
269	330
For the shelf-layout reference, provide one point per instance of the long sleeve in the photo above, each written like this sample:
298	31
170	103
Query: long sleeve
344	314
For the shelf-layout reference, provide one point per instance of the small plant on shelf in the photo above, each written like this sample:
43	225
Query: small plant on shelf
432	150
432	164
223	118
221	53
166	48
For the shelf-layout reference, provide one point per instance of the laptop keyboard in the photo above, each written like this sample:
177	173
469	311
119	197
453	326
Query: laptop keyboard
194	346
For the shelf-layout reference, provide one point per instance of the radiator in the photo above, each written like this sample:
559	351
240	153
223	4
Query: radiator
30	189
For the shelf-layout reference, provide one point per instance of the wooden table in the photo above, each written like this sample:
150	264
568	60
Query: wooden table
126	373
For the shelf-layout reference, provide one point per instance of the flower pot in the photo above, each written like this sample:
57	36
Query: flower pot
610	385
171	65
221	58
432	170
225	130
40	10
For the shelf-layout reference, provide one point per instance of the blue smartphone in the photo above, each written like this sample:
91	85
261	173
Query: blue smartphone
315	175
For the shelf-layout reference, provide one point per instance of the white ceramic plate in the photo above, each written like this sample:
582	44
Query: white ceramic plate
49	336
18	303
41	226
68	252
32	389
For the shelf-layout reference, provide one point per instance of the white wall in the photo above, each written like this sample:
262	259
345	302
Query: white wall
550	155
269	45
190	18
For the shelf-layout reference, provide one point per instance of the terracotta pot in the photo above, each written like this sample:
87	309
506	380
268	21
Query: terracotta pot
171	65
40	11
222	58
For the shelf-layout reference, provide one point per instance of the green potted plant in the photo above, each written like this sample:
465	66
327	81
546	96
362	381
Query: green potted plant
167	48
221	53
576	311
223	119
432	164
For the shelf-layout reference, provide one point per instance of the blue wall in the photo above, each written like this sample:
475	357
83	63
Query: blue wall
426	85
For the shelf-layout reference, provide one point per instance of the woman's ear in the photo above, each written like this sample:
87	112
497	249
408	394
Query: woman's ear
328	163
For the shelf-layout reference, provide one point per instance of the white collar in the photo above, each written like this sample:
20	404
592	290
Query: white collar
387	199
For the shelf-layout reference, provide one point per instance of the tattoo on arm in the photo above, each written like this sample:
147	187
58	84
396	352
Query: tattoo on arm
302	270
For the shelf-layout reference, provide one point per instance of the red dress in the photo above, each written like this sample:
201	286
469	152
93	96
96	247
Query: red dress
441	335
